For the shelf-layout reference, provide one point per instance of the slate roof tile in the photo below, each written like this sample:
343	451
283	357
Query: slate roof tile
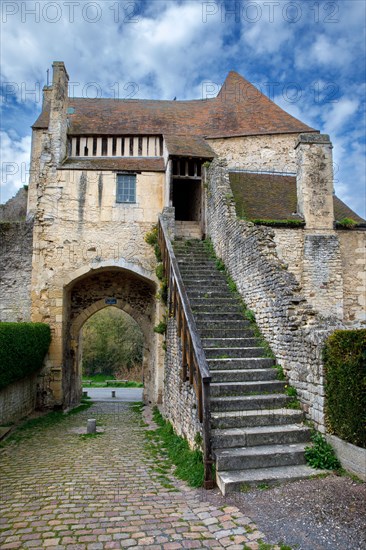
238	110
274	197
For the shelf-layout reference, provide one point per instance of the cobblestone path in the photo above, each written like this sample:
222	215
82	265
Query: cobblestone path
60	489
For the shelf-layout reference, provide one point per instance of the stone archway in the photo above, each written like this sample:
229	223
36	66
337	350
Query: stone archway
94	291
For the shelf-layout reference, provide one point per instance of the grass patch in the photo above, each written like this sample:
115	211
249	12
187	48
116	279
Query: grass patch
293	404
90	436
280	373
188	464
291	392
265	546
108	381
346	223
277	223
33	425
263	486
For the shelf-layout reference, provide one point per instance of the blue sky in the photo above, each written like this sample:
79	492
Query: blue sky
308	56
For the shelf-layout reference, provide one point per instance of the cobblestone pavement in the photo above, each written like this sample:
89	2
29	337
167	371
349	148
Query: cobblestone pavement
60	489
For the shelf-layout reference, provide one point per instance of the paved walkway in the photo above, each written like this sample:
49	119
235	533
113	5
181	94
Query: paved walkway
60	489
121	394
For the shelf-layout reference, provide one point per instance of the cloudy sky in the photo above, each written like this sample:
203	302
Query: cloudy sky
308	56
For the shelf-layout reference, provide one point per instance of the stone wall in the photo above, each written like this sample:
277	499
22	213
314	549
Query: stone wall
292	327
322	279
273	153
289	248
15	271
179	399
79	230
18	400
349	267
15	209
353	254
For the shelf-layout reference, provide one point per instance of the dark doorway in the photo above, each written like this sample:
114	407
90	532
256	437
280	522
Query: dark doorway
187	199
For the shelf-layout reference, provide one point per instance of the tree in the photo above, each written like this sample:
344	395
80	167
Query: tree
112	343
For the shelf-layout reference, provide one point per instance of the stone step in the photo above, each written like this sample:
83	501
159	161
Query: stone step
210	307
251	418
208	274
249	402
210	343
264	456
243	375
206	294
186	255
245	388
209	316
210	280
205	285
223	332
188	229
237	324
234	353
260	435
235	480
219	302
202	263
241	363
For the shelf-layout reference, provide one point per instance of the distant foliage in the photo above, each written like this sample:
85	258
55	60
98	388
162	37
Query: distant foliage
23	347
112	344
345	389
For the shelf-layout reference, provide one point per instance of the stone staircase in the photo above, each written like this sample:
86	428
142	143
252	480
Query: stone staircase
256	439
188	230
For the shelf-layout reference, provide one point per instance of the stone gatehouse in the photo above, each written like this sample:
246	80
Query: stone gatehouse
102	170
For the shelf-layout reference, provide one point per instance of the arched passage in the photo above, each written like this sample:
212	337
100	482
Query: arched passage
94	291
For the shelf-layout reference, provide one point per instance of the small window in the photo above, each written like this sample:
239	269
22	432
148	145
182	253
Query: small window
126	188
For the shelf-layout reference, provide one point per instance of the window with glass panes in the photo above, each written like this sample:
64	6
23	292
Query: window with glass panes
126	188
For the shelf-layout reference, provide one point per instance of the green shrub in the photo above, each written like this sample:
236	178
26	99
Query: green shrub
345	385
160	271
23	347
152	236
321	454
346	223
160	328
278	223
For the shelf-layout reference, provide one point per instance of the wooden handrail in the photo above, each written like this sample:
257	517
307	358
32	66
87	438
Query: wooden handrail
194	364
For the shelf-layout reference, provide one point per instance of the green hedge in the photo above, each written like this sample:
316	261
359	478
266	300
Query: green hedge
345	385
23	347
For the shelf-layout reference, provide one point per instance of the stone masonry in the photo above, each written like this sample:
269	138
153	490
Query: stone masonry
292	327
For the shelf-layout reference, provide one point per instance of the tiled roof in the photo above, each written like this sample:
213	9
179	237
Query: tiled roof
135	164
238	110
188	146
274	197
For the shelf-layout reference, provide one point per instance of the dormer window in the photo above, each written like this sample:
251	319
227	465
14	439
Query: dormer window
126	188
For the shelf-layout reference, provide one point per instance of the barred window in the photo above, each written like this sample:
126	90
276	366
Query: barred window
126	188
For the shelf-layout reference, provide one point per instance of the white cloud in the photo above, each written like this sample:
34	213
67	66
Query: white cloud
15	157
167	48
339	114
